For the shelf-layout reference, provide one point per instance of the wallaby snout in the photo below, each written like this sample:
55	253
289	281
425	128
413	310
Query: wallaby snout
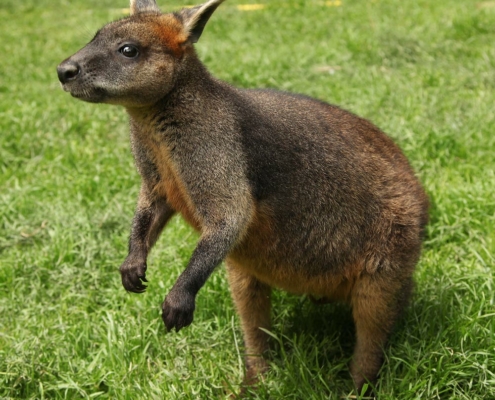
68	71
291	192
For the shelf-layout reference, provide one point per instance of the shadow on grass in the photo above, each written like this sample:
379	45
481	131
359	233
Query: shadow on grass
313	344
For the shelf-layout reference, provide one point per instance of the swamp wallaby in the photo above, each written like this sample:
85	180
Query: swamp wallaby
293	193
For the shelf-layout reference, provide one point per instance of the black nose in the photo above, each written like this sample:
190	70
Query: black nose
68	71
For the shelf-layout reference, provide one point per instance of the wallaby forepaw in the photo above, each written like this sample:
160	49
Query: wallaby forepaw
133	275
178	310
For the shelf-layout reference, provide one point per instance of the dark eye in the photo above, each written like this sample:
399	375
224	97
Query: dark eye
129	51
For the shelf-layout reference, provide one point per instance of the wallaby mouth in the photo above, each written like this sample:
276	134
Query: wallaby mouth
90	95
93	95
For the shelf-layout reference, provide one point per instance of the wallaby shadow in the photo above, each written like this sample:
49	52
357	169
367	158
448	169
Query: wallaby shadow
313	343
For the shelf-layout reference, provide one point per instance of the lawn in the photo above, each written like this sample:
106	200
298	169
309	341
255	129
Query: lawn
424	71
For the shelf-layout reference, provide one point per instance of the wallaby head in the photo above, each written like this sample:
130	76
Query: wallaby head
135	61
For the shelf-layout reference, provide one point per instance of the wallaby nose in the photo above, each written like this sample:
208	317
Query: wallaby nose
68	71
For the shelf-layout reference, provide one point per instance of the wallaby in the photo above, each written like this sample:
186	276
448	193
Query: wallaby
293	193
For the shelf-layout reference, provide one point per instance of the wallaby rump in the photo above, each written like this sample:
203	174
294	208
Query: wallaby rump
293	193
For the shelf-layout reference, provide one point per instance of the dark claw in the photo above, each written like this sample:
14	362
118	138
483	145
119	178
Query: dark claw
178	310
133	275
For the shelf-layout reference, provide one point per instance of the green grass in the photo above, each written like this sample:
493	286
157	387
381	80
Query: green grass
424	71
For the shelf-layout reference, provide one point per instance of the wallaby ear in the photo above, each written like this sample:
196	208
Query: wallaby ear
139	6
195	18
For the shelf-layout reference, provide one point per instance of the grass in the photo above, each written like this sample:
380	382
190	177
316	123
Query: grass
424	71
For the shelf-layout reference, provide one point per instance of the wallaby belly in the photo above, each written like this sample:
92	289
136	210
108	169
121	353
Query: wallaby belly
335	197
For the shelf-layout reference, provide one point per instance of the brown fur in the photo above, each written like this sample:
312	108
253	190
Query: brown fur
170	32
292	192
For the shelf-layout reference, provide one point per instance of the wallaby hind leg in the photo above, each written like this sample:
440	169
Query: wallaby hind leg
376	303
252	299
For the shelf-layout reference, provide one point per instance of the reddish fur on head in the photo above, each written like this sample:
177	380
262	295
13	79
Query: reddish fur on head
171	33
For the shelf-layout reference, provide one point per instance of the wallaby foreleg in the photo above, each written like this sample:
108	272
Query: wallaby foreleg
213	247
151	215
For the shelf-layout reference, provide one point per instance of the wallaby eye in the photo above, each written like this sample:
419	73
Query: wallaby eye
129	51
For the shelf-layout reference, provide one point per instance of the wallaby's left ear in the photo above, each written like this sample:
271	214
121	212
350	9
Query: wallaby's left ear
195	19
138	6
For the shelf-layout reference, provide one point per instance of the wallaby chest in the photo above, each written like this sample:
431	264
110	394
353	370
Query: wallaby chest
158	166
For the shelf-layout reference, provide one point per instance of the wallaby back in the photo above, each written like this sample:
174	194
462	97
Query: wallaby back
292	192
